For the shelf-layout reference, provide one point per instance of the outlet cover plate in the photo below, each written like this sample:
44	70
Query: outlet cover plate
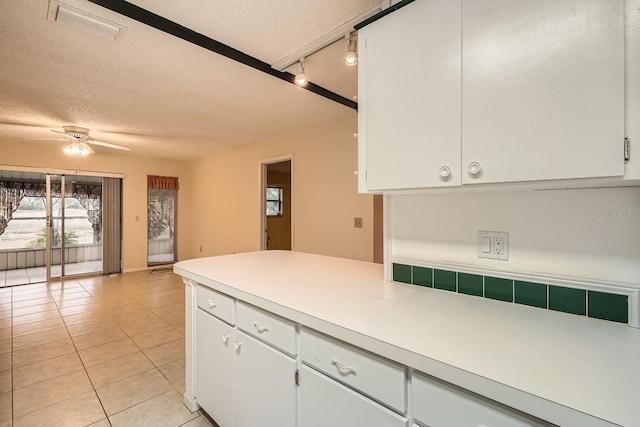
493	245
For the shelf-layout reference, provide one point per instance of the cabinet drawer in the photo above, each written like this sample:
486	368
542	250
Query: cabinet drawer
324	402
220	305
272	329
374	376
438	404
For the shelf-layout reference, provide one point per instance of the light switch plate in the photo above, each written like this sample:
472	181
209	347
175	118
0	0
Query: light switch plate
493	245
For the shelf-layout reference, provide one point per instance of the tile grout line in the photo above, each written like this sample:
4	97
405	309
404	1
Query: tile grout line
156	368
58	305
80	358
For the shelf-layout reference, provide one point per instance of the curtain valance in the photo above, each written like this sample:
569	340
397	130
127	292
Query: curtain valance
12	192
162	182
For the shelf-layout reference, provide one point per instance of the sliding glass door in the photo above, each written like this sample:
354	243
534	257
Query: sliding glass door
51	226
75	226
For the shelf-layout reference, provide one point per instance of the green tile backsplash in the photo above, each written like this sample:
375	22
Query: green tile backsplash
443	279
470	284
500	289
600	305
402	273
422	276
569	300
608	306
528	293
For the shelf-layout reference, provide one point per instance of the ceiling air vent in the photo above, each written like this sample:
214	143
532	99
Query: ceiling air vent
84	22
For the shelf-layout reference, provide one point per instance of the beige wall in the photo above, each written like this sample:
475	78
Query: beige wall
47	155
224	191
219	198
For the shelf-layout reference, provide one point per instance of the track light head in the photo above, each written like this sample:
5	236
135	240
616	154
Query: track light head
351	57
301	78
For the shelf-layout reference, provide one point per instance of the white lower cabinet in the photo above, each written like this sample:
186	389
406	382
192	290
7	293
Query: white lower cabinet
436	404
244	380
325	402
265	388
214	367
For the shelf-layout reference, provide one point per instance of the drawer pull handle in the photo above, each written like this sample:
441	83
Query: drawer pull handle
211	304
238	345
225	339
260	328
343	369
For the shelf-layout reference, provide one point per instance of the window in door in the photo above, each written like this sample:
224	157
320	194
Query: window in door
161	219
274	201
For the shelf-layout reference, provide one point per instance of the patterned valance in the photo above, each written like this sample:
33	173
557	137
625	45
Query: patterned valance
162	182
12	192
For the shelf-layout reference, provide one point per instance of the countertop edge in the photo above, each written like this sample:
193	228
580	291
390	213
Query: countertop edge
518	399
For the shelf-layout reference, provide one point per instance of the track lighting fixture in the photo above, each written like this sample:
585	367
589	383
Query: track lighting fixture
301	77
351	57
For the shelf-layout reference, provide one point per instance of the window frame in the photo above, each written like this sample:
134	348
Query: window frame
279	200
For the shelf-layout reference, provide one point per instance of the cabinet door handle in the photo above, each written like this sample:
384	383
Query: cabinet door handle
474	168
211	304
343	369
238	345
260	328
225	339
444	171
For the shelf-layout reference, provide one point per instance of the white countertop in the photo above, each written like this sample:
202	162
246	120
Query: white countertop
553	365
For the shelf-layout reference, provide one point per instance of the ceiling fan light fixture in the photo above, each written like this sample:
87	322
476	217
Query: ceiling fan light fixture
351	57
78	148
301	78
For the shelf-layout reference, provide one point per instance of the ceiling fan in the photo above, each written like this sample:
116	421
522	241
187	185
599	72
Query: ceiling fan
80	141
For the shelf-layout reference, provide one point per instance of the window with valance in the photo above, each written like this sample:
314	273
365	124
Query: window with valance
161	219
89	196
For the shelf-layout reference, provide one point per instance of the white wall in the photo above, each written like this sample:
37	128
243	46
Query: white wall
224	205
589	234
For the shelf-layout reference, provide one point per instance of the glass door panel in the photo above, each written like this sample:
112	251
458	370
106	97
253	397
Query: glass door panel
55	225
161	226
75	231
82	225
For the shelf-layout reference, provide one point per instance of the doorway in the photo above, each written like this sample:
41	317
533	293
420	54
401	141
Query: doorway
277	204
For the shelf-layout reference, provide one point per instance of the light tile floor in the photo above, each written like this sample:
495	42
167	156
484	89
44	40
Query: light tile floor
23	276
100	351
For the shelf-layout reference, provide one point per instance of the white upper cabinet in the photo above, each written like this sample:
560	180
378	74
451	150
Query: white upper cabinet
409	97
491	91
542	89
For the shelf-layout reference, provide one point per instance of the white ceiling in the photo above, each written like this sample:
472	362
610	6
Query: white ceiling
160	95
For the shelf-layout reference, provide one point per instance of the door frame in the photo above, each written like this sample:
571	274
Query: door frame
263	203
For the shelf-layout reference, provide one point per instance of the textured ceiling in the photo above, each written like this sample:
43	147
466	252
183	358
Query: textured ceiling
160	95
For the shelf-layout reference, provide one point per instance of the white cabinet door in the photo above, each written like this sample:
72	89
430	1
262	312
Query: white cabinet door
214	367
325	402
264	385
409	86
542	89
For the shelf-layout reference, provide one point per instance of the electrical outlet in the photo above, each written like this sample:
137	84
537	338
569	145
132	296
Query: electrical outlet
357	222
493	245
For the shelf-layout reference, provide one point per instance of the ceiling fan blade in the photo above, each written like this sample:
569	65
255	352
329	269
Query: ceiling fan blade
41	139
108	145
57	131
